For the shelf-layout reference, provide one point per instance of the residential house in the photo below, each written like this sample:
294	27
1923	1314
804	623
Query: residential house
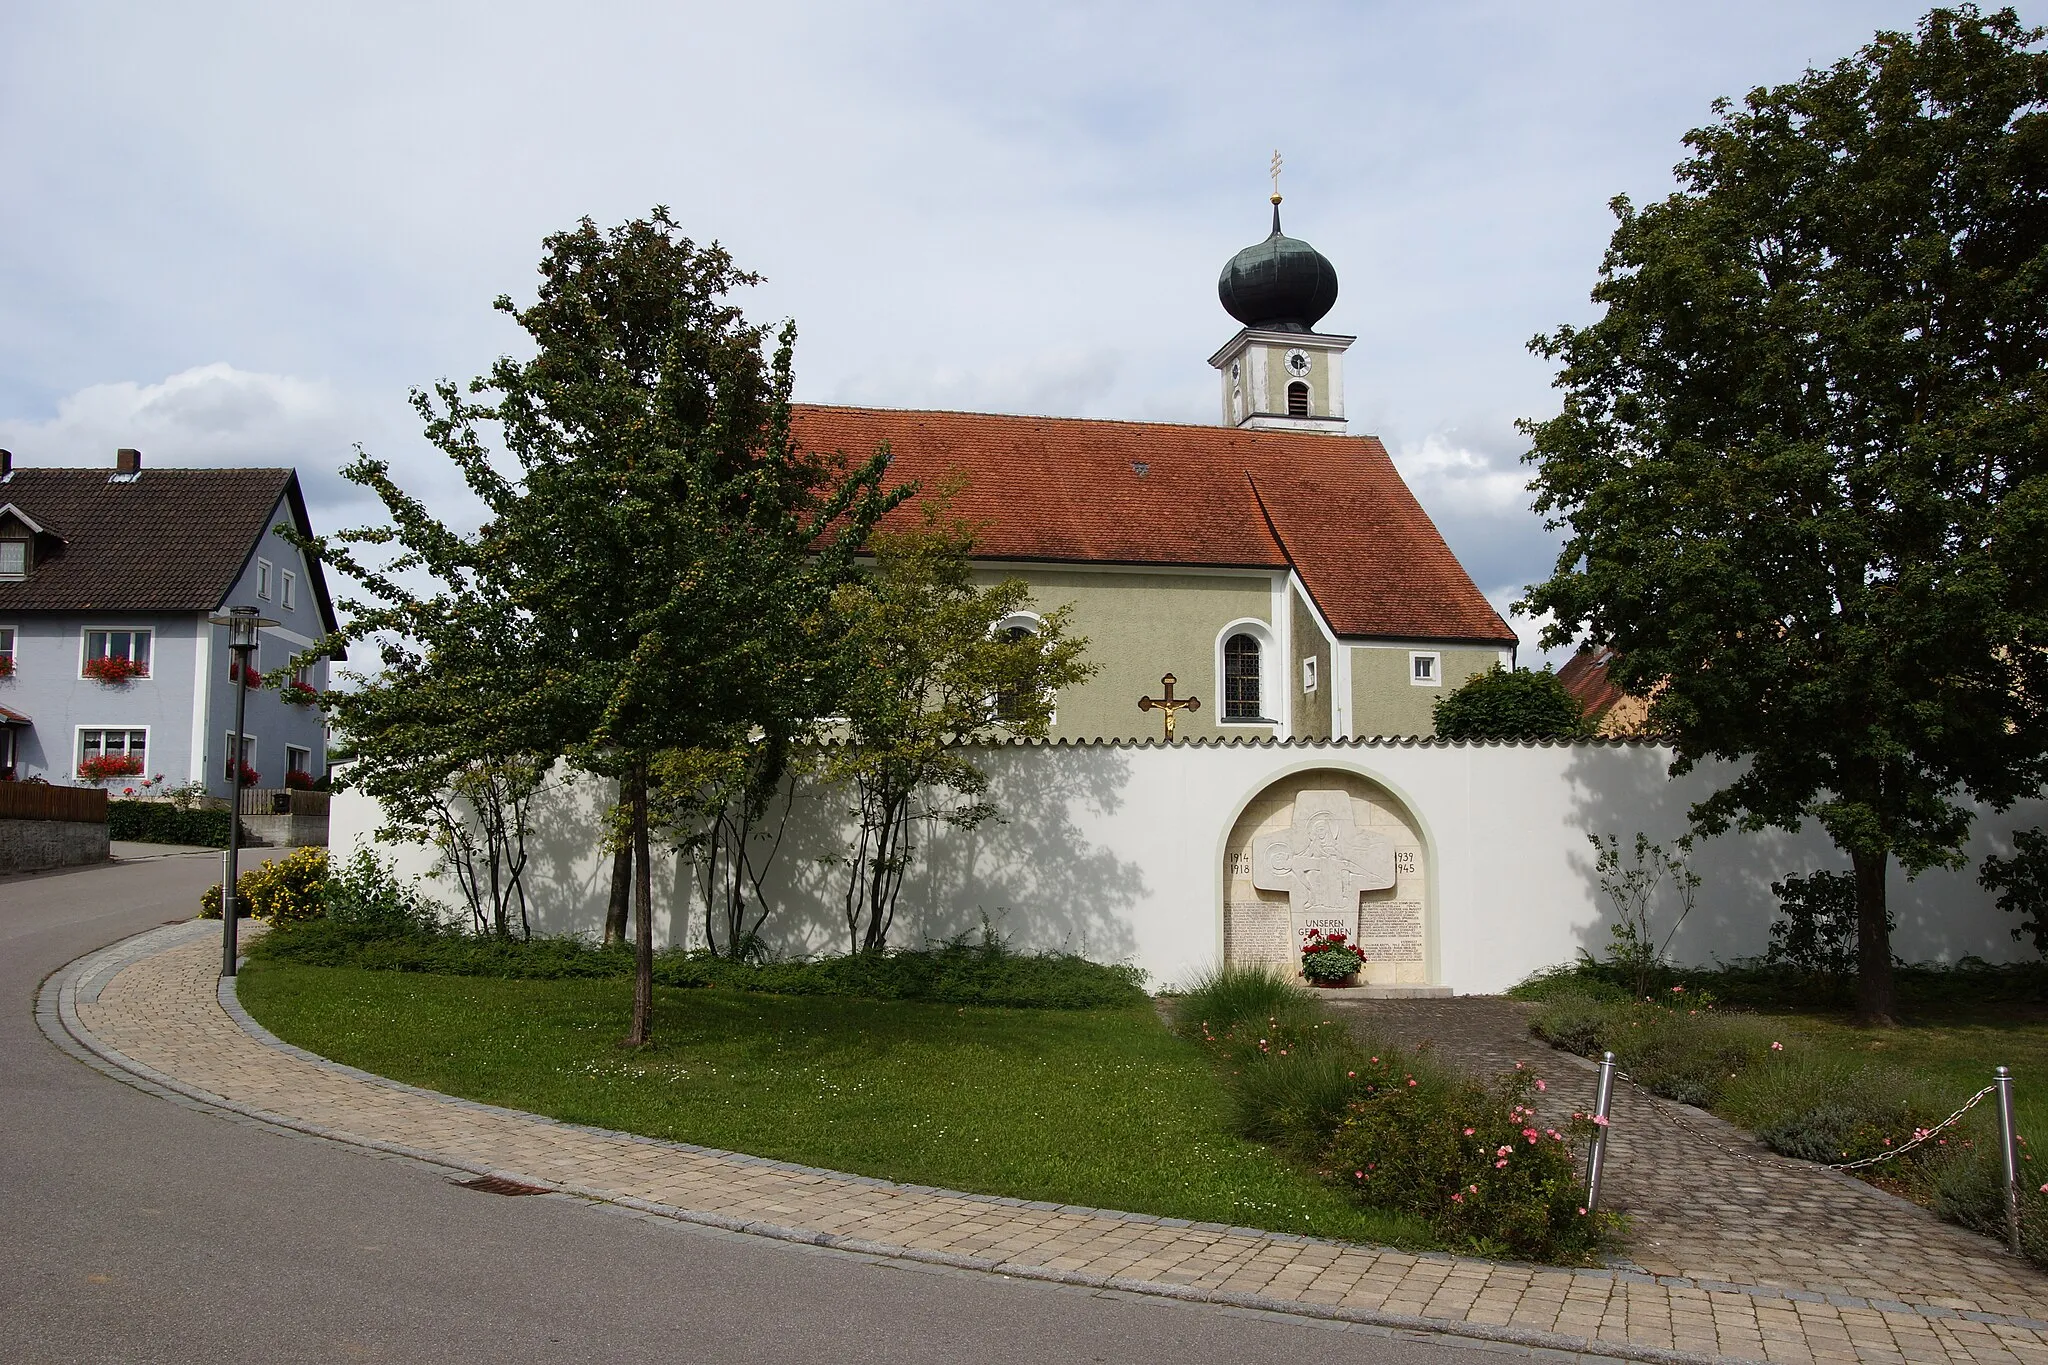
107	578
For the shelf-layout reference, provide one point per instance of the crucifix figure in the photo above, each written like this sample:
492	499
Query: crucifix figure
1169	704
1322	862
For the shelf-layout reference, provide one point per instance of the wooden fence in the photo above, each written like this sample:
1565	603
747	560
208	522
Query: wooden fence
283	801
40	801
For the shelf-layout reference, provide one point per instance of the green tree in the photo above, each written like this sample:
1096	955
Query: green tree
1510	704
930	668
1800	457
664	553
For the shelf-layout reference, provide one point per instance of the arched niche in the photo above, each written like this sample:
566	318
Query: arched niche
1326	848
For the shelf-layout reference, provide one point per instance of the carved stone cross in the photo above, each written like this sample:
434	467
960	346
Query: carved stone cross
1169	704
1323	862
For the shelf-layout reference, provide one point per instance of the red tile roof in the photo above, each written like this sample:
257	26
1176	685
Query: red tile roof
1585	677
1067	490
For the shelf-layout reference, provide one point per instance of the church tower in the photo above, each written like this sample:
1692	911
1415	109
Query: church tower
1279	373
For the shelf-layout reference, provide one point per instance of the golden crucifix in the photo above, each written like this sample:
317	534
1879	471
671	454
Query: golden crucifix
1169	704
1276	175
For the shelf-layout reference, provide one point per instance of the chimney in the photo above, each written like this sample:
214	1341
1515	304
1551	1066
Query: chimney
127	460
6	463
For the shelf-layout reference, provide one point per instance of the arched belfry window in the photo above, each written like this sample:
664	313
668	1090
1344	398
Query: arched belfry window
1297	399
1241	678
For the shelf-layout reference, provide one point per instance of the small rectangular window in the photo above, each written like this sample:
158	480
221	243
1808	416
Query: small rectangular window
263	579
6	651
1424	669
298	763
288	591
132	645
13	559
1308	674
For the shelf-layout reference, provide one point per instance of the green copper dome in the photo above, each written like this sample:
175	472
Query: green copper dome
1279	285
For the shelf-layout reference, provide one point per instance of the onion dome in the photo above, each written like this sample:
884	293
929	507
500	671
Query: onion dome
1279	285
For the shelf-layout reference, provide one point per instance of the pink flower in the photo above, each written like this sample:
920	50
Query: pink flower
1468	1132
1777	1047
1582	1213
1678	990
1541	1086
1457	1199
1411	1081
1600	1119
1498	1164
1473	1188
1352	1074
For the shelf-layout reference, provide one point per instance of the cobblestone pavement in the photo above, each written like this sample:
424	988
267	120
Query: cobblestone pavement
150	1007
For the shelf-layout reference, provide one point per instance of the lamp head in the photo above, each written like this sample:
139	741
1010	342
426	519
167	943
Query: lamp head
242	624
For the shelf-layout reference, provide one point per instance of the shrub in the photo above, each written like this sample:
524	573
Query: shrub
2021	882
1396	1131
1682	1051
1816	926
158	822
285	890
1476	1162
1510	704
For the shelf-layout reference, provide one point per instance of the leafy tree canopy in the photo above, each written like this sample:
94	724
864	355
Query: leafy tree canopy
1801	457
1510	704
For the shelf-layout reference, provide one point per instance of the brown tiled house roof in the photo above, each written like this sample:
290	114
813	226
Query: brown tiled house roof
172	540
1615	712
1068	490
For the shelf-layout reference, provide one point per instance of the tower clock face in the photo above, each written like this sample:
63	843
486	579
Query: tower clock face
1297	362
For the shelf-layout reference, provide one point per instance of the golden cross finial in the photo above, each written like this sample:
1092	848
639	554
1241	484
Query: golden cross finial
1169	704
1276	175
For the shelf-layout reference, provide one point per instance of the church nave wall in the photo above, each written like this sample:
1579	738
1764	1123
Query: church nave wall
1385	702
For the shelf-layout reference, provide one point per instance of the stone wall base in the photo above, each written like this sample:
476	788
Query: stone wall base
34	845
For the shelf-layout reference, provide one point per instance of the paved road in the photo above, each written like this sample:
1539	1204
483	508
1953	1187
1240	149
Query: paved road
133	1228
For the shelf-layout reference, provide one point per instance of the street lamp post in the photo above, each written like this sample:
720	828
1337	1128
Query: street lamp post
242	624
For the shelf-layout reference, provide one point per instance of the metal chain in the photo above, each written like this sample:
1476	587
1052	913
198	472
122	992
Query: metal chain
1753	1159
1918	1137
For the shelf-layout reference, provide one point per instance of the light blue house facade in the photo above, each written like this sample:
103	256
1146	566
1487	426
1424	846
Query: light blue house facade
107	659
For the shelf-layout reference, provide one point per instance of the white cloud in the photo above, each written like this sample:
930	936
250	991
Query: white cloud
1462	481
208	415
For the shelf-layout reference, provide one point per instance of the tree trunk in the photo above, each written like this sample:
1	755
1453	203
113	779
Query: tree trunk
622	893
1875	1002
643	914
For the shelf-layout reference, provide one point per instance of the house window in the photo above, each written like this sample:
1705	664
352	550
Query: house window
288	591
1425	670
1308	674
6	651
132	645
1297	399
297	763
13	559
1010	698
1241	678
247	749
255	664
263	579
114	743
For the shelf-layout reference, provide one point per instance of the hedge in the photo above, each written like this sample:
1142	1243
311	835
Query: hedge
158	822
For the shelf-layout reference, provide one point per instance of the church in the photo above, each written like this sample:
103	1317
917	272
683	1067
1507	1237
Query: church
1274	564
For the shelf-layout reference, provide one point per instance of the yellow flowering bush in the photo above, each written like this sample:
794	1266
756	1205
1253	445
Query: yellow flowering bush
286	890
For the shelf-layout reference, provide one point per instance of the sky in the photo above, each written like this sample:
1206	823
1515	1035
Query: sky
241	234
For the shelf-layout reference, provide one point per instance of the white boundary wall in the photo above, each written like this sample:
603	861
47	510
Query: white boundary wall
1116	852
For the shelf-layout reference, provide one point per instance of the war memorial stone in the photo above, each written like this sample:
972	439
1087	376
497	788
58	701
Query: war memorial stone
1328	852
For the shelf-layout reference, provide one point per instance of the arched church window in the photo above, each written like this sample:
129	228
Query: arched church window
1009	697
1297	399
1241	678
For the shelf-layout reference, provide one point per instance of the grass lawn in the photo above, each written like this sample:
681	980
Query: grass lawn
1095	1107
1948	1051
